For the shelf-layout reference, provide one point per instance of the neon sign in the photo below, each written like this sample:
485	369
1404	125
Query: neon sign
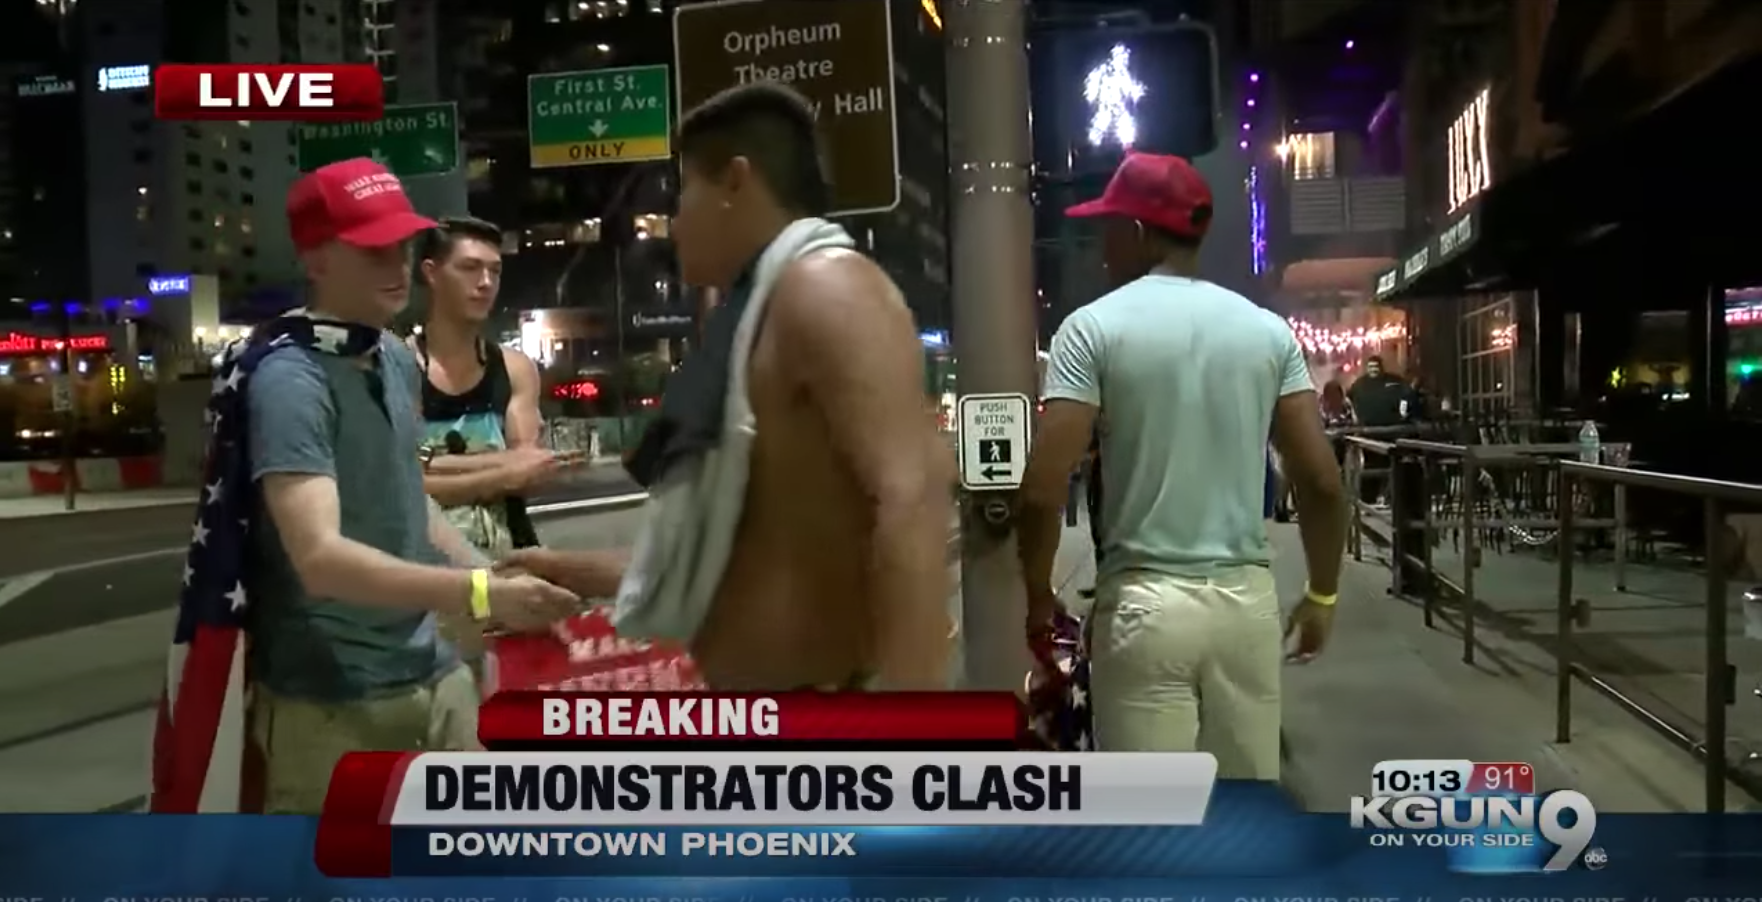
124	78
576	391
20	343
162	285
1113	92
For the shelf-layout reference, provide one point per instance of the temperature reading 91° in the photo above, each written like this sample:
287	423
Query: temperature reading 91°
1502	777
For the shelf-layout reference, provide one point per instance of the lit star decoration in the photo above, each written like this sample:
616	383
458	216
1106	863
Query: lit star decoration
1113	93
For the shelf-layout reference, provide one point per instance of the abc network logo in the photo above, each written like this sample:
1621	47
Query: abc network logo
1492	834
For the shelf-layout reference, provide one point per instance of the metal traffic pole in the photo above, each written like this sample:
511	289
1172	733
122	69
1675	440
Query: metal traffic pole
62	389
994	331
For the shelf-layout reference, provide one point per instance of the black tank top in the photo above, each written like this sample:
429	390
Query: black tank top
488	398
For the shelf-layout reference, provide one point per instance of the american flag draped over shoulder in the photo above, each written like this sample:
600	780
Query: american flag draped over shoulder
1059	715
202	761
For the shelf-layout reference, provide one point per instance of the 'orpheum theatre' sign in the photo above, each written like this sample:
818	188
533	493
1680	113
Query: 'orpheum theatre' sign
837	53
1471	162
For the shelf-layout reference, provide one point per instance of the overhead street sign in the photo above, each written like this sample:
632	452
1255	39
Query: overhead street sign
837	53
994	440
599	116
418	139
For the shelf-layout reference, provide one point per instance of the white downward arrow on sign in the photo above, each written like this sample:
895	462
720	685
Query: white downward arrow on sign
598	128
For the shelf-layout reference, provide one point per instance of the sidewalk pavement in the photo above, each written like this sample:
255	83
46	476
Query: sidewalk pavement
1387	688
1648	642
601	476
53	505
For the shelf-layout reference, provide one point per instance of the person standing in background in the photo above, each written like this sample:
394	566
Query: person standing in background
1336	410
481	441
1378	397
479	399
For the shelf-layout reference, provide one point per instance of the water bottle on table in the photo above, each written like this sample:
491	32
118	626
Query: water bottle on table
1590	443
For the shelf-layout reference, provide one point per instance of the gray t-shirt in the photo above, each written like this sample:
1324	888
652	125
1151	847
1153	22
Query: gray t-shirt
320	414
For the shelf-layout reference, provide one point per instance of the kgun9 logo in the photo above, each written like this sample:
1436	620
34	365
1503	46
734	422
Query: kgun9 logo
1486	828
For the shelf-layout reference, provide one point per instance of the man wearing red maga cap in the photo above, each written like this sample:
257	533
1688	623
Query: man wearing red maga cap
1190	379
315	539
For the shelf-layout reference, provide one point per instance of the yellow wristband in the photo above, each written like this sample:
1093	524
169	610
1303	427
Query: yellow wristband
1326	601
480	594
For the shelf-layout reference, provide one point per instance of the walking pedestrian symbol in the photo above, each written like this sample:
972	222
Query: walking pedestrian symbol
993	440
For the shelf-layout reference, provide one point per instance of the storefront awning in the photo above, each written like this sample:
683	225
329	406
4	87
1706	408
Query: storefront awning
1588	212
1338	275
1425	269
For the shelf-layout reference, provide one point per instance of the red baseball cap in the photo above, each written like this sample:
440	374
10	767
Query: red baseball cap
1161	191
356	201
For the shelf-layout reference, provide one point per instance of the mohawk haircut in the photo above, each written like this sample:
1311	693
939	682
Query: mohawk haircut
772	126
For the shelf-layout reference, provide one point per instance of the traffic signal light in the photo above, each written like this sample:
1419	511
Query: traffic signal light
1152	88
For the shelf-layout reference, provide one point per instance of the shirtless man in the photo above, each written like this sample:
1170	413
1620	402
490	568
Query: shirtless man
838	575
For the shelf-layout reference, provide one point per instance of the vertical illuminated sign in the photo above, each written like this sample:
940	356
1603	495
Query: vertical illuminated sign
1471	163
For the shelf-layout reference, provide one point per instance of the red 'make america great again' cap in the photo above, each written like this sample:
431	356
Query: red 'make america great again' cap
356	201
1157	190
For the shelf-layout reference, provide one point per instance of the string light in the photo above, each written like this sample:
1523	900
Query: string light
1320	340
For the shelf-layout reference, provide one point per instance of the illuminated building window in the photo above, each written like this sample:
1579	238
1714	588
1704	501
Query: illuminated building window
1309	155
585	232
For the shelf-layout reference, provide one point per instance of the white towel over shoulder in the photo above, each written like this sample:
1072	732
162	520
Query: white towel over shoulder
689	523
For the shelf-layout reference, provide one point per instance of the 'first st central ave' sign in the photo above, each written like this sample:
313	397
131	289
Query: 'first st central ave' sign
837	53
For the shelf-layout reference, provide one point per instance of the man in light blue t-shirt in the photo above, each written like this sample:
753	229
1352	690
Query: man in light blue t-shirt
1186	647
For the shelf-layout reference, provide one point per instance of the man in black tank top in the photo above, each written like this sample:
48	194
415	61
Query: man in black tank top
479	400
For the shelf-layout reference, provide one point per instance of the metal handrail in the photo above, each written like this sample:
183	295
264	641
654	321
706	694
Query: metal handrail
1475	463
1720	681
1356	446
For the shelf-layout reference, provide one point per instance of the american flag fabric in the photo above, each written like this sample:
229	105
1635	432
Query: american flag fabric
202	760
1059	715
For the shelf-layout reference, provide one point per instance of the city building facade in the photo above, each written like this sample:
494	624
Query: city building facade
1571	293
1328	184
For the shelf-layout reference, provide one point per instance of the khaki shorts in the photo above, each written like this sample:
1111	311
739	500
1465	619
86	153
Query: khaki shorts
302	740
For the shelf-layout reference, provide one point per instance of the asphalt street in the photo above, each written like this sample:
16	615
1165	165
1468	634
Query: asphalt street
37	544
73	570
82	660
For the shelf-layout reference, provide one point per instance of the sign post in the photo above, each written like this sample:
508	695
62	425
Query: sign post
992	226
599	116
994	440
419	139
837	53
